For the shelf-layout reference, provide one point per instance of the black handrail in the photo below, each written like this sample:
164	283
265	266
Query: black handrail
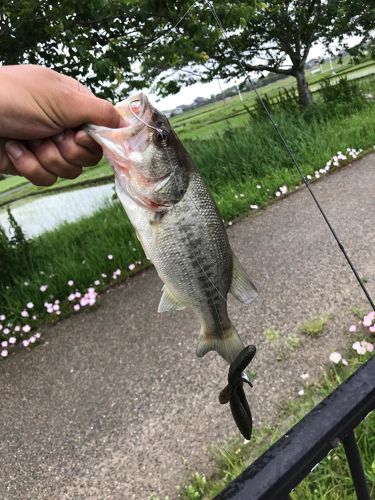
283	466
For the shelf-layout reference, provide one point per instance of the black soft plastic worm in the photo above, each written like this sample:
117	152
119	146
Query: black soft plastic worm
235	394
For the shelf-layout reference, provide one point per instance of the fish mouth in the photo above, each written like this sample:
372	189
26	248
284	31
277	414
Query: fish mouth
132	133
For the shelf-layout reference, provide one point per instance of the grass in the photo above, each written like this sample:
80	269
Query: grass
329	480
78	252
314	326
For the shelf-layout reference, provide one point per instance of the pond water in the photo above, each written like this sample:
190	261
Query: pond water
37	215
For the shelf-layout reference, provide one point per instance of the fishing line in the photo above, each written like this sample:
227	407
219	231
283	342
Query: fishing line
151	44
192	246
290	153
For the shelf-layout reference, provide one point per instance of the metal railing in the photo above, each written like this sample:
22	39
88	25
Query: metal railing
283	466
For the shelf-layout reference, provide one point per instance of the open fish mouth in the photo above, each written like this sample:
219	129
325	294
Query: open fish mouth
132	135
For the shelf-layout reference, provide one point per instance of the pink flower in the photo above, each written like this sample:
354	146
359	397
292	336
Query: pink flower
372	329
367	320
76	307
26	328
43	288
25	343
352	329
96	282
131	267
78	295
344	362
6	331
71	297
369	347
359	347
12	340
335	357
29	305
24	314
17	328
2	317
110	257
4	353
83	302
38	335
4	343
70	282
104	275
56	307
283	190
32	339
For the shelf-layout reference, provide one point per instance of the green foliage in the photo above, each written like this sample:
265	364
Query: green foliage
14	252
344	90
314	326
94	40
270	32
98	41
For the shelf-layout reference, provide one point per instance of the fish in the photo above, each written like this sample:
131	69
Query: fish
177	222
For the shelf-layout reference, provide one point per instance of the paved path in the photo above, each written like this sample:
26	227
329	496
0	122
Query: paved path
115	404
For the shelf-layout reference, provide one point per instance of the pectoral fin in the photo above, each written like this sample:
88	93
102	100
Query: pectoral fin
168	302
242	287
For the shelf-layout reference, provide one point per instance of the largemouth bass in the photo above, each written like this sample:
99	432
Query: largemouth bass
177	222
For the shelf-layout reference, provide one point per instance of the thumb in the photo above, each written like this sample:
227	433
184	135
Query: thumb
86	108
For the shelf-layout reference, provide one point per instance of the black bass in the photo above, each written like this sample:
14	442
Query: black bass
177	222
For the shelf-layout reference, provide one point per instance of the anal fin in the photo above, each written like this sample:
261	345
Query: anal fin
168	302
242	287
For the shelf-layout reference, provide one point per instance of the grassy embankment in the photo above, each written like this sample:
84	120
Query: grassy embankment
233	168
330	480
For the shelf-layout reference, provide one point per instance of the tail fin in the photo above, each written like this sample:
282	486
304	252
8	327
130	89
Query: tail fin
228	345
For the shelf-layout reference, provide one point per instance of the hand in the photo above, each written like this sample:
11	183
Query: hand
41	111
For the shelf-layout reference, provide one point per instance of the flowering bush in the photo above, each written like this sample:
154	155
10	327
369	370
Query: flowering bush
360	346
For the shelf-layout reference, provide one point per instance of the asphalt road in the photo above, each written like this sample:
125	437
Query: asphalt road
115	405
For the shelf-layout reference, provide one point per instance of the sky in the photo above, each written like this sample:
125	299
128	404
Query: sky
187	94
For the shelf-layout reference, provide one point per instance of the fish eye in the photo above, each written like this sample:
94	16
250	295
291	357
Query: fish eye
162	135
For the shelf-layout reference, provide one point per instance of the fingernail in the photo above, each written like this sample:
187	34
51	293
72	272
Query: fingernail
13	149
59	138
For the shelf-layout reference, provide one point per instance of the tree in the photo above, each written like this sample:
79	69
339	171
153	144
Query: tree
274	36
93	40
104	43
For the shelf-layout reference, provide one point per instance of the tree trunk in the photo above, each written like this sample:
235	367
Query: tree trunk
304	93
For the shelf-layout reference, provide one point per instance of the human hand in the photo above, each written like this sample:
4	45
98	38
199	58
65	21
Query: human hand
41	111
